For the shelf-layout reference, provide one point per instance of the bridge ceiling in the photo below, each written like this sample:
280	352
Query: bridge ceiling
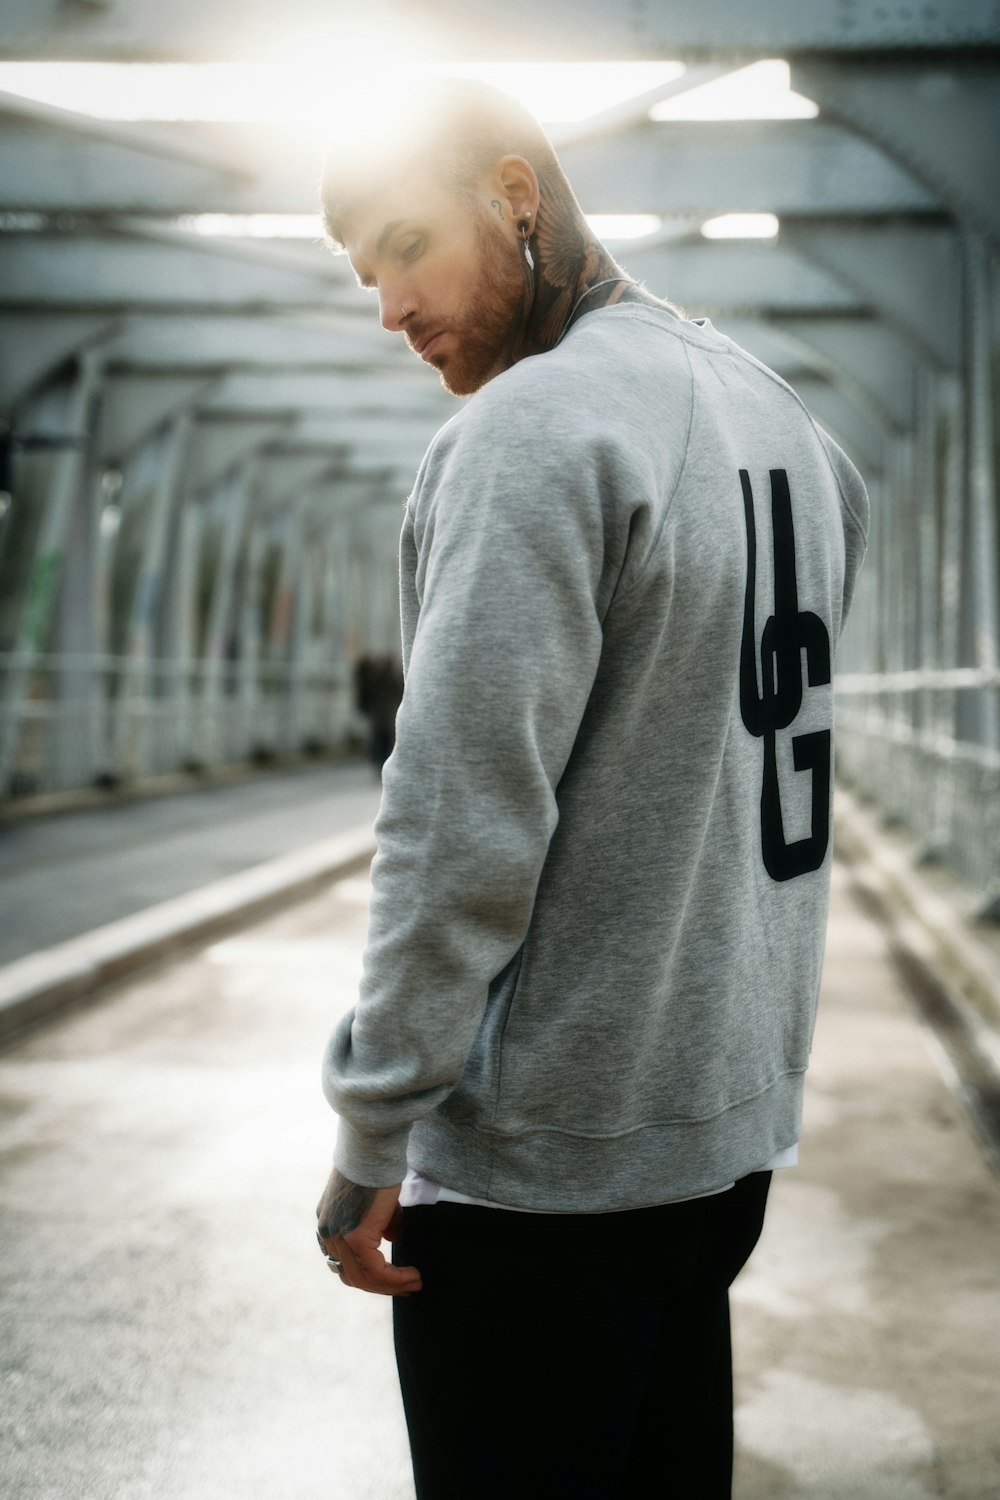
128	29
275	356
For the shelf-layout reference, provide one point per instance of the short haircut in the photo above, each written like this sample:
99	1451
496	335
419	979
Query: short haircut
460	125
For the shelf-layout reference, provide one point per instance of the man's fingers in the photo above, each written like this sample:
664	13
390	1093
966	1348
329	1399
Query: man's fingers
366	1268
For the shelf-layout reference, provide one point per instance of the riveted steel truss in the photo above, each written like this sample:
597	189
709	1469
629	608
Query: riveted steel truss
206	443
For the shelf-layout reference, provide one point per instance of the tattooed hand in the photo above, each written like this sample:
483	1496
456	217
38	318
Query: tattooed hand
352	1223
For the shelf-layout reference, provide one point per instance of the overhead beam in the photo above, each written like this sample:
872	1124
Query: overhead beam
220	443
110	272
58	171
133	406
405	394
717	277
910	273
750	166
180	340
33	348
134	29
940	121
856	431
23	117
666	166
864	354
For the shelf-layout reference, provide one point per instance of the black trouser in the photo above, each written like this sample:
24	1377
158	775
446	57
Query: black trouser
573	1356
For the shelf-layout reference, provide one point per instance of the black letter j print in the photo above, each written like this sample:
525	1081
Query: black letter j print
776	703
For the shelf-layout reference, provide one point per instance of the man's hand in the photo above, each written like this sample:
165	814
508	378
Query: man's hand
353	1222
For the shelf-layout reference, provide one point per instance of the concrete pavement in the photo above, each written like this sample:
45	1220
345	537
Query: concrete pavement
65	876
170	1330
70	872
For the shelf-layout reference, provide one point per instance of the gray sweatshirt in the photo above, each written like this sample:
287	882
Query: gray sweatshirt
601	887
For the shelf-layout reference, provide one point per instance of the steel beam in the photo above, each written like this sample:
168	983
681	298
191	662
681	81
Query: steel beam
720	277
221	442
832	349
723	166
33	347
408	394
69	406
940	120
852	427
160	143
134	29
133	406
910	274
984	553
110	273
54	161
177	341
867	355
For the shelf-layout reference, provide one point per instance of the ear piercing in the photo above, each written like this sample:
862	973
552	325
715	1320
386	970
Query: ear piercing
524	225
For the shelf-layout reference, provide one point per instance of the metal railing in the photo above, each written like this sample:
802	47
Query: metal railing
921	745
80	720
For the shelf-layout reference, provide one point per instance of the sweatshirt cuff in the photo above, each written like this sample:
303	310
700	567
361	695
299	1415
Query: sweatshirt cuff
371	1160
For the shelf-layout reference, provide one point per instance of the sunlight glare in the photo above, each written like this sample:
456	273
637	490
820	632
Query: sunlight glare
741	227
624	226
322	90
761	91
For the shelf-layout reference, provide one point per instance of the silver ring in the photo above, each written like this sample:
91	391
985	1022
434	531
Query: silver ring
333	1264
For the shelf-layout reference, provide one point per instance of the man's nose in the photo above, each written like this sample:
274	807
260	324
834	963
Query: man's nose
393	309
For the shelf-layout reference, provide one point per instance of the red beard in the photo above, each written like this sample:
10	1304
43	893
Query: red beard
486	330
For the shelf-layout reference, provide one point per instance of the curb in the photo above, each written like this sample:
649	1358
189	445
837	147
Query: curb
35	988
949	935
952	977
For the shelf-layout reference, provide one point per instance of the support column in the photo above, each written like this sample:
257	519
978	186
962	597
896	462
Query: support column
33	629
984	618
141	687
216	734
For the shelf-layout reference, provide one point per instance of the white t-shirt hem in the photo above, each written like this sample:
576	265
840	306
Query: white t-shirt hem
421	1192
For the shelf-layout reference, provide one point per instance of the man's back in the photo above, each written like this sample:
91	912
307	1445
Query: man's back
613	971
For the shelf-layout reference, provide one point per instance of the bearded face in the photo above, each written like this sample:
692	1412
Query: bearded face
481	335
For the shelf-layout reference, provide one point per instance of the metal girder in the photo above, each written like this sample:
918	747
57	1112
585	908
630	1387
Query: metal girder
635	110
65	146
866	355
941	121
110	272
184	341
835	349
56	171
135	29
911	274
278	476
770	166
675	166
757	337
403	395
723	276
218	443
858	434
133	406
376	440
32	348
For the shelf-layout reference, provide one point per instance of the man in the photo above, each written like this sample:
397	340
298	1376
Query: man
600	896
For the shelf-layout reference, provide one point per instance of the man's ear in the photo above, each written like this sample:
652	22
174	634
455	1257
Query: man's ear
516	184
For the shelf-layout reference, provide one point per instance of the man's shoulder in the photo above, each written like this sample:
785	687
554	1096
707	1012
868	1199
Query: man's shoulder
591	377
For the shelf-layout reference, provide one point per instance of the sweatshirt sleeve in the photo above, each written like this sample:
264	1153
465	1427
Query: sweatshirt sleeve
514	566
